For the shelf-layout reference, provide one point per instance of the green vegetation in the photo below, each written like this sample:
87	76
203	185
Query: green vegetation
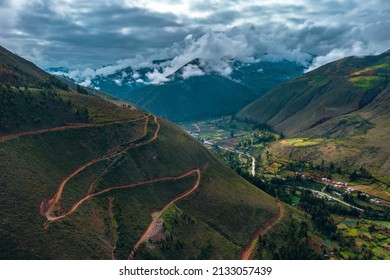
316	97
292	239
367	82
302	142
291	181
319	80
33	166
383	68
23	110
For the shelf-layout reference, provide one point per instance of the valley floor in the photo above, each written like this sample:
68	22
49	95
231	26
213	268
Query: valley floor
245	147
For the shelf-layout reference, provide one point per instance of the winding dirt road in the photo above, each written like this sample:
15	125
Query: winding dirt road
149	230
73	208
5	138
47	205
247	253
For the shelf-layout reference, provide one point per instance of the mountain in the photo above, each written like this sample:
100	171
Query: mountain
193	98
209	94
195	90
345	103
263	76
118	82
119	183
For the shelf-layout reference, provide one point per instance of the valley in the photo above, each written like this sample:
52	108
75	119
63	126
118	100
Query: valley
361	198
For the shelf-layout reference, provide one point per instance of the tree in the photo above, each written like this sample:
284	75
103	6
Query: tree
331	166
81	90
353	176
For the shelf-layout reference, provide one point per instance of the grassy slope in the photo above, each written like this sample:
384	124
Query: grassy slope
361	138
347	111
223	201
15	70
332	90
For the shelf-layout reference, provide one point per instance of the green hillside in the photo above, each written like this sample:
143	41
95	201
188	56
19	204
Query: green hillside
92	190
332	90
345	104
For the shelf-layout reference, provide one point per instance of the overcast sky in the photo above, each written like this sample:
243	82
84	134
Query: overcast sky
92	33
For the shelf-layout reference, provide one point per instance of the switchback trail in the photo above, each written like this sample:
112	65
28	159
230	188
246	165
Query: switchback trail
50	217
249	250
149	230
5	138
47	205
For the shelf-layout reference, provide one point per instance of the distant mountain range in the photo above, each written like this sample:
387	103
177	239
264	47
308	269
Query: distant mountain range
186	96
210	95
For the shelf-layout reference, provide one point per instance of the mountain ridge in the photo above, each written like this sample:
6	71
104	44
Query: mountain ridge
343	104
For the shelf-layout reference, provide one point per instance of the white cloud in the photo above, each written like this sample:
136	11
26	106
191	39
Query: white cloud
118	82
191	70
135	75
357	49
86	83
156	77
214	50
218	31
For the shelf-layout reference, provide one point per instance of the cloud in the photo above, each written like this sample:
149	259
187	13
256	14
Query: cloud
156	77
214	51
87	34
191	71
335	54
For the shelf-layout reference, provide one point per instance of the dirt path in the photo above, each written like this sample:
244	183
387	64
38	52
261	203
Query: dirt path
47	205
155	134
60	128
249	250
73	208
149	230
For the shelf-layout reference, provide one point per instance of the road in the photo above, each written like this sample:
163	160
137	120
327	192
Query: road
155	219
333	198
253	168
73	208
249	250
47	205
60	128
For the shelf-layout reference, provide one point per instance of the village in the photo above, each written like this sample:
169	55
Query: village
338	189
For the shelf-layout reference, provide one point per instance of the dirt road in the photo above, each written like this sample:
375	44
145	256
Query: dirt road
149	230
47	205
60	128
249	250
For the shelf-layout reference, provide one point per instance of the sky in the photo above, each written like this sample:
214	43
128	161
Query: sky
88	34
